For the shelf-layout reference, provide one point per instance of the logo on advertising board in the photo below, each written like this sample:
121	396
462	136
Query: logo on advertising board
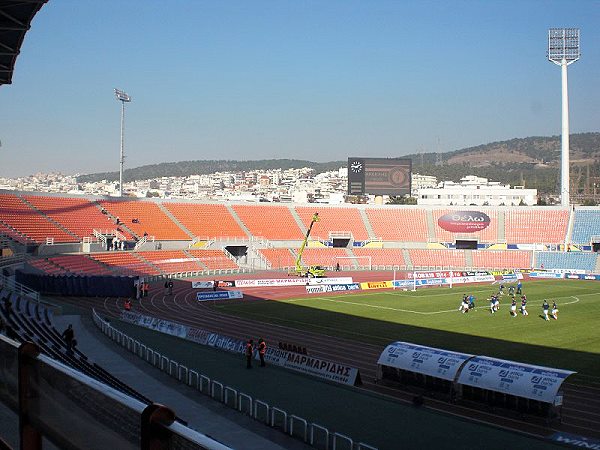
464	221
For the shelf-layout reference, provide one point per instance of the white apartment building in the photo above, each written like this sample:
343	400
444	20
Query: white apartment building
472	190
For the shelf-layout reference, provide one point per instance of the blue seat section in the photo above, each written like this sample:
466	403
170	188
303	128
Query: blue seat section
586	225
566	260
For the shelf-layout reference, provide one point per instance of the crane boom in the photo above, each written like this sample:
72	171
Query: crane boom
315	218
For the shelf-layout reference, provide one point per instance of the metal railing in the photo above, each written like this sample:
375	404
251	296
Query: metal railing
260	411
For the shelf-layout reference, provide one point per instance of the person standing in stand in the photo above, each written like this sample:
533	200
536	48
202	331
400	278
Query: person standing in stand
249	352
262	349
69	336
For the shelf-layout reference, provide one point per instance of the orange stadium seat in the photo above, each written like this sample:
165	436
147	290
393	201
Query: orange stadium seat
536	225
206	220
323	256
381	256
172	261
488	234
126	263
149	218
47	267
81	265
270	222
29	222
494	259
79	216
454	259
213	259
398	224
278	258
333	220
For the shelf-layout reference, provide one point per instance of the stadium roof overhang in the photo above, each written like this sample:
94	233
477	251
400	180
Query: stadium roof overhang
15	21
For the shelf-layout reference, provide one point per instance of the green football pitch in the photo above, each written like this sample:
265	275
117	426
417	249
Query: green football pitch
430	316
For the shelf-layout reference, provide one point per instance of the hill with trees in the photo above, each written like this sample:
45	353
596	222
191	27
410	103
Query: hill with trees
533	162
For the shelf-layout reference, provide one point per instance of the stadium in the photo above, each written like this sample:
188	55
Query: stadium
386	326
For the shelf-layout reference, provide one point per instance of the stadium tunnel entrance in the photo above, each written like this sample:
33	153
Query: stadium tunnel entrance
237	251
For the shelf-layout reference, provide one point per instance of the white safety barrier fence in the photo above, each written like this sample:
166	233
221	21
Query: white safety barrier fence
311	433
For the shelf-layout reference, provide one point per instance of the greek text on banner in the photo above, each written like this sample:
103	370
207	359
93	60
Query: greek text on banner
221	295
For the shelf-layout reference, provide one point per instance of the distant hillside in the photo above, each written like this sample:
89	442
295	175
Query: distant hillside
187	168
533	162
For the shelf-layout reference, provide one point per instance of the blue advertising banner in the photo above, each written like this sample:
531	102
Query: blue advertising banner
219	295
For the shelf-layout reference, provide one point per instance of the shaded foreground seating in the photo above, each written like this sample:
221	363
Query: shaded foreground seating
31	321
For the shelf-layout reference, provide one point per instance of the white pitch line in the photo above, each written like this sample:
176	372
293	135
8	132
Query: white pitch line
389	308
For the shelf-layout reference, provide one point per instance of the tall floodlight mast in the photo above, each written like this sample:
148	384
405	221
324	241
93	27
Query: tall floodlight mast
123	98
563	49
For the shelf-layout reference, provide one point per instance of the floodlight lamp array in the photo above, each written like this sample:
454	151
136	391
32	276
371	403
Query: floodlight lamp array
122	96
563	45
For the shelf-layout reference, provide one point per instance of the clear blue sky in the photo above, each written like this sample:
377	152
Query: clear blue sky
317	80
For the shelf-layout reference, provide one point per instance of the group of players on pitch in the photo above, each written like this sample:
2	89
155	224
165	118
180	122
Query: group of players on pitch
468	303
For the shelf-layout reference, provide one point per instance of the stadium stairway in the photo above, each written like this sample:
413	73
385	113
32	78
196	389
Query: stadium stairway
48	218
407	260
365	219
298	220
238	220
597	267
199	262
200	412
468	258
176	221
430	226
501	227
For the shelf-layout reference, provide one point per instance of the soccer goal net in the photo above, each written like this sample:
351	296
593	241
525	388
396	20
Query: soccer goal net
352	262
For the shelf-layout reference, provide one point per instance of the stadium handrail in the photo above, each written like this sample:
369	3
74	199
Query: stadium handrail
242	402
87	412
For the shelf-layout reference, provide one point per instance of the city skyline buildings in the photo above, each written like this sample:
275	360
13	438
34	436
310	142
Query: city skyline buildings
302	81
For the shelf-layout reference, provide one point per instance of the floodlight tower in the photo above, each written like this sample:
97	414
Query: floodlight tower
123	98
563	50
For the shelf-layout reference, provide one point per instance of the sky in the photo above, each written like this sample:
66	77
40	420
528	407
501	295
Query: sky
316	80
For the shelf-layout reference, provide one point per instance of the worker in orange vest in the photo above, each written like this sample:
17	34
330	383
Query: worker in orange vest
127	305
249	352
262	349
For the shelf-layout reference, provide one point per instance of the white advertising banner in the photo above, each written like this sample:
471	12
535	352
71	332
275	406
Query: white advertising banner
522	380
426	360
310	365
219	295
202	284
292	281
322	288
154	323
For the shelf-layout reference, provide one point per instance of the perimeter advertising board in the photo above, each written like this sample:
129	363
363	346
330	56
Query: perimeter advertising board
379	176
522	380
425	360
